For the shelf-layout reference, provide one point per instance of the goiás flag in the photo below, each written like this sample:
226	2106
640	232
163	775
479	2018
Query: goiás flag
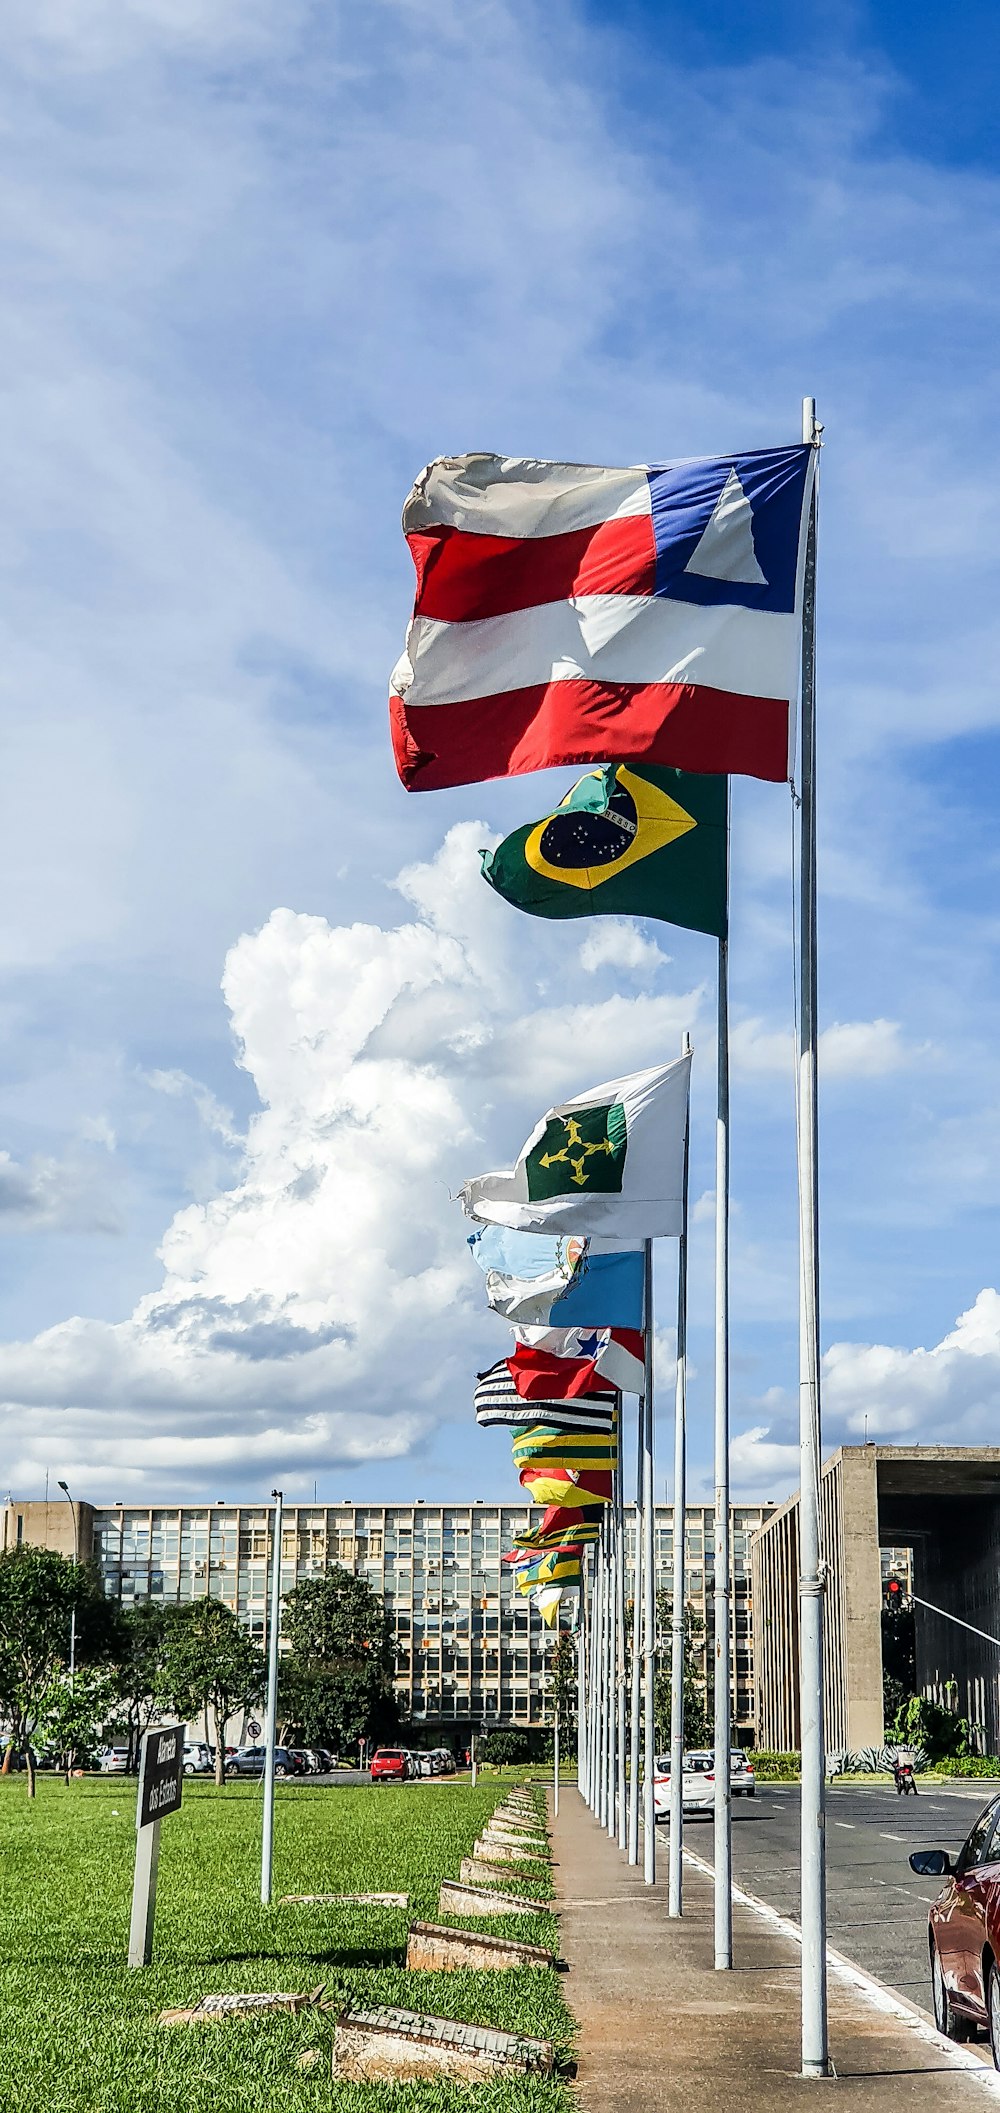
611	1161
560	1281
543	1446
559	1363
566	613
560	1524
497	1402
627	840
567	1485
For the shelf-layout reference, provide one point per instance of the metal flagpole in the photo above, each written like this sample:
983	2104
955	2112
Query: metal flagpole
675	1888
593	1703
271	1725
582	1689
723	1713
621	1687
555	1768
611	1814
812	1577
635	1714
648	1591
601	1785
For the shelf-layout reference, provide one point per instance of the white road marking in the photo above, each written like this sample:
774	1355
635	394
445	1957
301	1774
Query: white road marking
891	1837
849	1824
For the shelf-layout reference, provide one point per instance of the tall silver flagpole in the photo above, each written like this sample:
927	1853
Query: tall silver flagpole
271	1723
723	1714
582	1683
675	1887
621	1691
648	1592
596	1648
611	1815
635	1714
815	2041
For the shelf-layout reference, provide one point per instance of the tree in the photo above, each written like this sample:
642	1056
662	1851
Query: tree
210	1663
562	1679
39	1591
698	1683
335	1681
143	1650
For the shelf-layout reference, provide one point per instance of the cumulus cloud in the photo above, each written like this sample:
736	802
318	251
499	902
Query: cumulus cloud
323	1308
849	1049
617	942
65	1195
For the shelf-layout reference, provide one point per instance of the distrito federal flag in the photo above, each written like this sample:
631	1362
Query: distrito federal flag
609	1161
566	613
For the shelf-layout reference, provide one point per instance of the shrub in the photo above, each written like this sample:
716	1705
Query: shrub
774	1767
973	1764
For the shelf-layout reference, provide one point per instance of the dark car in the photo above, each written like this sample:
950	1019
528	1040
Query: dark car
964	1932
249	1761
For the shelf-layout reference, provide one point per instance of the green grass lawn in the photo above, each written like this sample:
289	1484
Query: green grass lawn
78	2031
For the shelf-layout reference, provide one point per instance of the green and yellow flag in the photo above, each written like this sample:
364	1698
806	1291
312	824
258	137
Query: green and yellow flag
629	838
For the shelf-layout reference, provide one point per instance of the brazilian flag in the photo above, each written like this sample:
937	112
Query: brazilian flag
630	838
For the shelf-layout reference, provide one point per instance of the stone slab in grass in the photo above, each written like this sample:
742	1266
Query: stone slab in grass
522	1825
534	1843
458	1899
506	1853
478	1870
212	2010
344	1900
435	1950
392	2045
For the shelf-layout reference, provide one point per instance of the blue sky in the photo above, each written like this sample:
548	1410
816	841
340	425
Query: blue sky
262	262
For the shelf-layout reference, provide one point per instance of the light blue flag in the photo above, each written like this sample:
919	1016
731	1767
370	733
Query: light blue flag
547	1280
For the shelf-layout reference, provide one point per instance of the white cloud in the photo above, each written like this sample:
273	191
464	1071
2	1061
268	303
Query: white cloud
617	942
850	1049
57	1195
324	1307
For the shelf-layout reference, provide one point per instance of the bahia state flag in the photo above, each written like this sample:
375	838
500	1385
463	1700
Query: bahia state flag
559	1363
609	1161
565	613
627	840
560	1282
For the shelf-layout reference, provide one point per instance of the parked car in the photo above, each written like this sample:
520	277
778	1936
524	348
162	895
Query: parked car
249	1761
426	1765
199	1759
113	1760
963	1929
390	1764
742	1781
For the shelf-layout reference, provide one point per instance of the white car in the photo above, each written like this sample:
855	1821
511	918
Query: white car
113	1760
698	1787
742	1781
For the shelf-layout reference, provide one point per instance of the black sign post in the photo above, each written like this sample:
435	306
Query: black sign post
161	1778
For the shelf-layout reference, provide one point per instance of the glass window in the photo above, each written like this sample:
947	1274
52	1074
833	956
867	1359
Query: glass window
976	1849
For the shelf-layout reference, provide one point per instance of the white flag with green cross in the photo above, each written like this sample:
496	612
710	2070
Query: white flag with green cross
609	1161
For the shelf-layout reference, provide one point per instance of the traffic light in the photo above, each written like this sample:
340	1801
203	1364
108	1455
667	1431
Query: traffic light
892	1595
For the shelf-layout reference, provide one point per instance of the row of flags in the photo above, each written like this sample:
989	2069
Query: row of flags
647	622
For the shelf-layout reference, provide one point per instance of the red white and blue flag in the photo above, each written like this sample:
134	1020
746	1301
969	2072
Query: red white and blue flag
560	1363
571	614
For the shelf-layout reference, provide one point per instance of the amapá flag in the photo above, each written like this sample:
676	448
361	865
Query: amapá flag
609	1161
560	1280
567	613
627	840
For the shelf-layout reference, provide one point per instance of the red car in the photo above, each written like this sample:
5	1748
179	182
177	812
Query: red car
964	1932
389	1765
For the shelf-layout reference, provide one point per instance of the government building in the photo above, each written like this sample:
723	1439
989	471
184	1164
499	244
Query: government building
470	1651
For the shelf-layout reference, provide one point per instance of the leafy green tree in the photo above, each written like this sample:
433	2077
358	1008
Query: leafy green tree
920	1722
699	1687
335	1680
39	1591
72	1712
211	1664
506	1748
143	1652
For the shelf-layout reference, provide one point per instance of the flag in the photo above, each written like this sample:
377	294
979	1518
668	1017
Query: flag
558	1524
610	1161
559	1363
497	1401
639	842
548	1602
566	1485
557	1566
542	1446
566	613
543	1280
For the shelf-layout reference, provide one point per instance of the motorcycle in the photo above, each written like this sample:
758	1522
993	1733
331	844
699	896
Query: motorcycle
904	1778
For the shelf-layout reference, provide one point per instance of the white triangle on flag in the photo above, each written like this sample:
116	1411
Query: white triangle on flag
725	551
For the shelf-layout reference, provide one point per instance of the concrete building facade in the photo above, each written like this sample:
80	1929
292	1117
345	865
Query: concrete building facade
468	1647
928	1515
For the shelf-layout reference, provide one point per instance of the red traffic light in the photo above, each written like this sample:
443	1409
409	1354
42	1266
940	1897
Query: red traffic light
893	1593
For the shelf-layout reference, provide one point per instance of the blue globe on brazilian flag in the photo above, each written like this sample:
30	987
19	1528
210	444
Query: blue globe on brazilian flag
628	839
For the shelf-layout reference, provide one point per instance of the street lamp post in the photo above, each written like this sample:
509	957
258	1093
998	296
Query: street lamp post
76	1557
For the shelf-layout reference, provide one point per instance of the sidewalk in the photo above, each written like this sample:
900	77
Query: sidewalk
660	2029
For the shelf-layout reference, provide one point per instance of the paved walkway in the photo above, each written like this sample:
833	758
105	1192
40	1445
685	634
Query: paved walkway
660	2029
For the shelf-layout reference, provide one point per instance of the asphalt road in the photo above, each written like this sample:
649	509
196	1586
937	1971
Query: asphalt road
877	1908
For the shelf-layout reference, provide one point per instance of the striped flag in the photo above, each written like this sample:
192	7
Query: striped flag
559	1525
497	1401
544	1446
566	613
